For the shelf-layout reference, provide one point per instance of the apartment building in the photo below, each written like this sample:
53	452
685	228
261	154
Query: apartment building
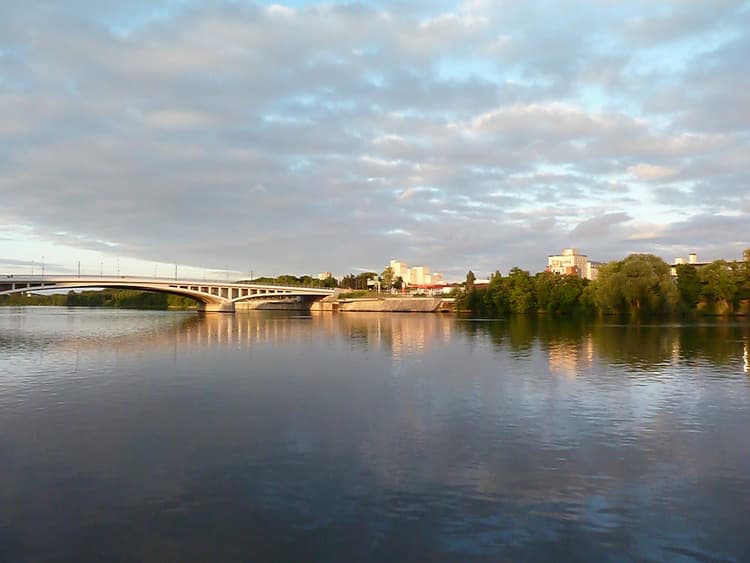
571	262
415	276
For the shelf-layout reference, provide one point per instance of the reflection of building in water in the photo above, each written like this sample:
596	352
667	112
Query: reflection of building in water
571	356
744	355
402	334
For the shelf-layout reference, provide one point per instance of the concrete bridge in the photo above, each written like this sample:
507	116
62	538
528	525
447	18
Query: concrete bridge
212	296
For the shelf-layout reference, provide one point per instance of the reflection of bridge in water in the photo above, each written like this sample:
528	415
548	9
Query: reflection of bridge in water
399	336
212	296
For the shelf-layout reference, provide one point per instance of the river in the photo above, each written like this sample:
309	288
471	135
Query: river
168	436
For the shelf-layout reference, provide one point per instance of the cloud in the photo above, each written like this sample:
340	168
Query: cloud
598	226
649	172
297	138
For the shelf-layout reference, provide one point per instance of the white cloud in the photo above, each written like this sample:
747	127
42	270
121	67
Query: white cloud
650	172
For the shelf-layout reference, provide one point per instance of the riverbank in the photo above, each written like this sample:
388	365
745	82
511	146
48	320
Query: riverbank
385	305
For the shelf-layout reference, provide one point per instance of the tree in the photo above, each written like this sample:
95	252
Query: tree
363	278
470	279
569	292
639	284
496	300
522	298
607	291
387	278
545	288
329	282
720	285
348	281
689	285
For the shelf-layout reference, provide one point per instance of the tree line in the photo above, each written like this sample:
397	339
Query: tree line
289	279
386	280
117	298
638	285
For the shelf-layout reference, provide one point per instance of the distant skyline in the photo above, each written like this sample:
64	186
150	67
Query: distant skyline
301	137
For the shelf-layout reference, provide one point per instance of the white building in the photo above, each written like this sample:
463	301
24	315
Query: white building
592	270
420	275
415	276
692	259
571	262
400	270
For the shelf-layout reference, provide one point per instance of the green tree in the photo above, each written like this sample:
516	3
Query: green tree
639	284
522	298
362	279
387	278
329	282
569	292
607	291
689	285
545	289
720	286
348	281
497	298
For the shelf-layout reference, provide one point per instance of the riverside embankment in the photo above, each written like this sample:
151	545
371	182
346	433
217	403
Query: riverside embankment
385	305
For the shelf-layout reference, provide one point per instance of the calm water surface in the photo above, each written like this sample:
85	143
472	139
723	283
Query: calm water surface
154	436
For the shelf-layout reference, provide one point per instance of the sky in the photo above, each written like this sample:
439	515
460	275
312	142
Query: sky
234	137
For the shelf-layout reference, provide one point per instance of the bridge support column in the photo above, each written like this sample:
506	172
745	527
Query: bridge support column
216	307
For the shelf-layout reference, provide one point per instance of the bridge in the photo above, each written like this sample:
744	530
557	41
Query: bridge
212	296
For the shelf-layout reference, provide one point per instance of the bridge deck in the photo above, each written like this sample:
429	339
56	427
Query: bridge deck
214	295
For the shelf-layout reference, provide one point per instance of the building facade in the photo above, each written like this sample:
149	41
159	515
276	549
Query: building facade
572	263
417	276
692	259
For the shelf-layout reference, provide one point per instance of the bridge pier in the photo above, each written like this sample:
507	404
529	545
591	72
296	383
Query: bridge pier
216	307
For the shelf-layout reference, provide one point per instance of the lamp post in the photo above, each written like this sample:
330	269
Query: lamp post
42	266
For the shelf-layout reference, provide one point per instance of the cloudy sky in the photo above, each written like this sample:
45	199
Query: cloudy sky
307	136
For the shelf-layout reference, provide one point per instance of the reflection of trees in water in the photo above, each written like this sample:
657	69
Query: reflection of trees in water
650	345
636	344
567	340
639	346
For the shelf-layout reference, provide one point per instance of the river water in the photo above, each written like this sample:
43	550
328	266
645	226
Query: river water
167	436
